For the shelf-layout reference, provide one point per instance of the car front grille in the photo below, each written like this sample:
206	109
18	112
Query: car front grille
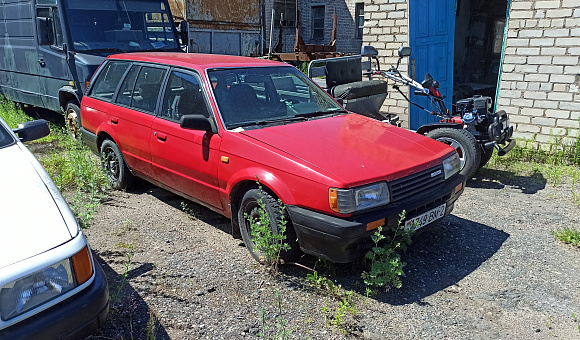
415	183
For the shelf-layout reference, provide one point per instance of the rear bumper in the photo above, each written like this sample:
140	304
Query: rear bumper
74	318
345	239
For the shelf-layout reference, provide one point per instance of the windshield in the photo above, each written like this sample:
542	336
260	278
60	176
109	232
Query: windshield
257	96
120	25
5	137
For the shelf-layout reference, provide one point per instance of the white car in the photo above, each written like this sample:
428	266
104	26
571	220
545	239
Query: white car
50	286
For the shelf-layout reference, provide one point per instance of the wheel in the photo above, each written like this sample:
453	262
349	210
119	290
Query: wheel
465	145
250	207
114	166
72	117
485	156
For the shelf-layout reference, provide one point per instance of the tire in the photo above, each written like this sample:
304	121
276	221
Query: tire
464	143
485	156
72	118
114	166
249	205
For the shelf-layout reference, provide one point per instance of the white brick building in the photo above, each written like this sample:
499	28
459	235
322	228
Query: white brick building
540	76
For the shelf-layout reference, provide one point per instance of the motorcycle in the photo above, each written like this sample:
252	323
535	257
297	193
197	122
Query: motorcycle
474	130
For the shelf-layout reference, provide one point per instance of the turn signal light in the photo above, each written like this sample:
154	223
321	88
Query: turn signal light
82	266
333	199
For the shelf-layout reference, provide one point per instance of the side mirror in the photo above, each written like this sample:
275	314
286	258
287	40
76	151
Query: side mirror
404	51
368	51
196	122
45	35
184	32
32	130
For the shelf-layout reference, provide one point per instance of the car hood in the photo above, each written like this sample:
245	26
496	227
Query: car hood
354	148
31	221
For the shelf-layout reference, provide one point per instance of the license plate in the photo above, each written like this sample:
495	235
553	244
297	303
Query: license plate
426	218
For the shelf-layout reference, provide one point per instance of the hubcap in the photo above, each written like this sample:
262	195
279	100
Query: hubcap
457	146
111	165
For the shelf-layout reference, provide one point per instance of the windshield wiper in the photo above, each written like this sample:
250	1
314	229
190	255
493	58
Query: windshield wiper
268	122
320	113
107	49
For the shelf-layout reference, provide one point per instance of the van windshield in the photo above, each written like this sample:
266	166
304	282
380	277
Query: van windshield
120	25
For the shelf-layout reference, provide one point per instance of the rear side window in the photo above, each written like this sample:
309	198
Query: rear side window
147	88
183	96
108	80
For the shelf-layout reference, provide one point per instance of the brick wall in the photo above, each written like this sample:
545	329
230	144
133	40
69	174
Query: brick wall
540	81
345	10
386	29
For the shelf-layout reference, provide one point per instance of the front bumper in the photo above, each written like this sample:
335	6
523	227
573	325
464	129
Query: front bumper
74	318
344	239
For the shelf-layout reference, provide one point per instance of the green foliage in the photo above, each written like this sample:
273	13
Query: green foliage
568	235
345	306
279	330
386	265
303	67
267	241
116	294
12	114
188	211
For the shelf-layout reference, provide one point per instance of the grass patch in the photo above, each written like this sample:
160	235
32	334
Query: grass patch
72	166
568	235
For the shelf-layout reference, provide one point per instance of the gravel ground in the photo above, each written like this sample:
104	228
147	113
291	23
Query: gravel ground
491	270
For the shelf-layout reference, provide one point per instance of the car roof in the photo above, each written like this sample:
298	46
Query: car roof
195	60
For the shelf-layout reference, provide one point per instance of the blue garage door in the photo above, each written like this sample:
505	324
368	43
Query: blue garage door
431	36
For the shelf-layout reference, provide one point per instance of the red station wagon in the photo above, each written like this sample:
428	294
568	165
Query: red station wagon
207	126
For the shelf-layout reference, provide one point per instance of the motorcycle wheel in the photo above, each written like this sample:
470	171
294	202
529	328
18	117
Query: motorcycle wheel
465	145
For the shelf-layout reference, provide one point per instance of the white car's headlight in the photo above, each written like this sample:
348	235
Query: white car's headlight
346	201
451	165
26	293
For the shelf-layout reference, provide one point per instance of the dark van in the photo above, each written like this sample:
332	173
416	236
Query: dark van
49	49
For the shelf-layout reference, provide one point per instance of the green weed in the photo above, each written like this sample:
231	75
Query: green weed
188	211
386	265
116	294
279	330
12	113
264	238
568	235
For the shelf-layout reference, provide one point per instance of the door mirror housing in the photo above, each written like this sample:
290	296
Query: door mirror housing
369	51
196	122
32	130
404	51
184	32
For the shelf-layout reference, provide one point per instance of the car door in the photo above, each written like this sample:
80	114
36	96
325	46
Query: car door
183	159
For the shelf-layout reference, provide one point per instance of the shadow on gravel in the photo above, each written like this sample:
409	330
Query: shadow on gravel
499	179
443	255
129	315
194	210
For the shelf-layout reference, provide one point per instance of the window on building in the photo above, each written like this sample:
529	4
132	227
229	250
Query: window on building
360	19
285	10
317	22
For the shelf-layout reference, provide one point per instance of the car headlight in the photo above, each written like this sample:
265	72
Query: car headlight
451	165
26	293
346	201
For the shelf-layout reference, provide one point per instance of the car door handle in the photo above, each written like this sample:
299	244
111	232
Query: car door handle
114	120
160	136
42	62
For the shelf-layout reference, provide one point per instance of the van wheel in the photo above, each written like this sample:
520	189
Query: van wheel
114	166
464	143
251	208
72	117
485	156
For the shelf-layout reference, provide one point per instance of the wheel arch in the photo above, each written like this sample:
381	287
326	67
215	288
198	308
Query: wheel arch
430	127
67	94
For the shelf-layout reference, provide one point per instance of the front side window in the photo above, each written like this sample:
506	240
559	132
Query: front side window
318	22
260	96
147	87
119	26
183	96
108	79
51	19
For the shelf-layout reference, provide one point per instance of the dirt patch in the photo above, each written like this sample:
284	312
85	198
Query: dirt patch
492	270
